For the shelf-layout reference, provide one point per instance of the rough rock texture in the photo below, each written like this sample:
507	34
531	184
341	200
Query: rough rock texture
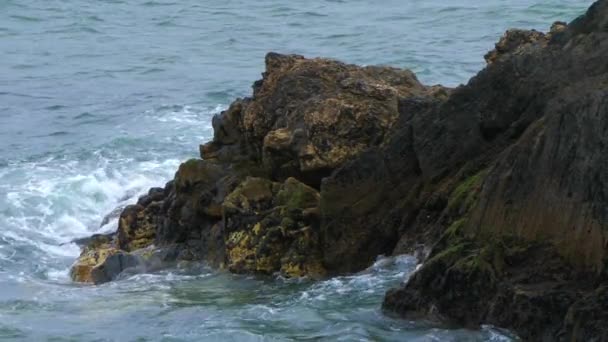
515	41
525	245
95	252
309	116
272	227
252	204
328	165
101	261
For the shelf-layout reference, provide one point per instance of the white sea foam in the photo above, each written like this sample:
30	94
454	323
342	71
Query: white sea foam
386	270
53	199
186	115
58	274
108	227
51	202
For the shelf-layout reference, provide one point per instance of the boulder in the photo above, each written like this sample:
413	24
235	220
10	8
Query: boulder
101	261
82	270
306	119
516	41
309	116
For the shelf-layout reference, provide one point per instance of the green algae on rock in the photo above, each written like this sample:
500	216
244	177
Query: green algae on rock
329	165
272	227
251	205
529	254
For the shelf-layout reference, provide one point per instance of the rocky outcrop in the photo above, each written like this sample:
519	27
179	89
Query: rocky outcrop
501	183
252	204
308	117
525	246
273	227
516	41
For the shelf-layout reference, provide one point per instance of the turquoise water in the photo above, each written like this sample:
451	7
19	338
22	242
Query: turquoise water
100	100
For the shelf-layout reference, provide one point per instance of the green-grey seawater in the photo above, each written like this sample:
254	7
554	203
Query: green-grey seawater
101	99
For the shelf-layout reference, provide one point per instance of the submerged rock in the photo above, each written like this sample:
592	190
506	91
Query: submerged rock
94	240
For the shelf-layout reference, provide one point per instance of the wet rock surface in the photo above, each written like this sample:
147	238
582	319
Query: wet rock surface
500	185
523	246
273	227
252	203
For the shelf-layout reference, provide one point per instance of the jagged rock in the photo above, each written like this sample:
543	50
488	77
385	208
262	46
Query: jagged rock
306	118
363	203
528	252
136	228
100	261
586	318
515	41
96	250
104	263
272	227
89	260
309	116
154	195
113	265
328	165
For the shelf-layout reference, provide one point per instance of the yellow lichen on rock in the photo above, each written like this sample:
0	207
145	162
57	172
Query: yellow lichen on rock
270	228
82	270
312	269
239	251
136	228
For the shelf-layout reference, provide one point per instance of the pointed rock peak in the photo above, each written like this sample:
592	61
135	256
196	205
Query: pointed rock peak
595	20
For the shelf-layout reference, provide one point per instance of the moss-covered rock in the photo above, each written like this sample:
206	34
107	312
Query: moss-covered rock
524	248
270	227
90	259
137	227
308	117
305	119
329	165
464	197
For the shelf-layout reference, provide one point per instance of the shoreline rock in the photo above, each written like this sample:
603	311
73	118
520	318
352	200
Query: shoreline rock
328	165
253	203
524	244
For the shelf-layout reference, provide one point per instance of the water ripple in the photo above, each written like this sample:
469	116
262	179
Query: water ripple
102	100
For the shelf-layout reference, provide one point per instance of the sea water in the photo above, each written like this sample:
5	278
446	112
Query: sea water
102	99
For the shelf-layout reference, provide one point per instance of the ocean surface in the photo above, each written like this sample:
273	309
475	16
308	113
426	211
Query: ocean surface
101	99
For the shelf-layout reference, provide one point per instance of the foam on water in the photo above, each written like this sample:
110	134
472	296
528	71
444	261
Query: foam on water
50	200
101	100
187	115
